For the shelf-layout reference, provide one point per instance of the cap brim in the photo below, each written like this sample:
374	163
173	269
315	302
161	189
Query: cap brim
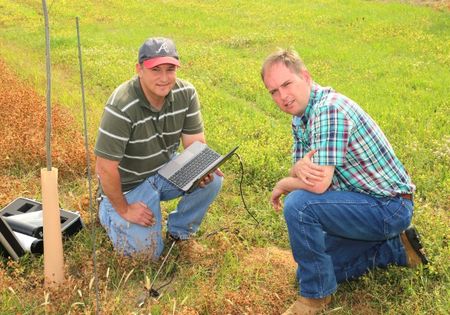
150	63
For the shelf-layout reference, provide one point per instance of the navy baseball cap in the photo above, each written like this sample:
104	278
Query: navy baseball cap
158	50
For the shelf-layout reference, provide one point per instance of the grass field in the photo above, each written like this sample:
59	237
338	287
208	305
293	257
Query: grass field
390	57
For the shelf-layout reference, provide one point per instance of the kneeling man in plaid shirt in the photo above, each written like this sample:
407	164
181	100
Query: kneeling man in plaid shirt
349	200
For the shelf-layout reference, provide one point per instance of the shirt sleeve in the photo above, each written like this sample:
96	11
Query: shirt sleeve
193	122
113	134
330	132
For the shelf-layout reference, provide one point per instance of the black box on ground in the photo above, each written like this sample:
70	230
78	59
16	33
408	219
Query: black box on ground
28	228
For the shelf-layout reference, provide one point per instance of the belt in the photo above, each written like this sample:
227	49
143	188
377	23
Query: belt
406	196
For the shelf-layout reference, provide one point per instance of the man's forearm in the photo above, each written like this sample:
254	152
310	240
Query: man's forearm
112	188
294	183
187	139
289	184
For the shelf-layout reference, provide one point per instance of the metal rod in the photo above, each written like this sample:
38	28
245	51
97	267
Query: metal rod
150	290
88	166
48	148
162	265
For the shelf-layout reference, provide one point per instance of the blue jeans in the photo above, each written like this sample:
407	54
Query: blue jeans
129	238
338	236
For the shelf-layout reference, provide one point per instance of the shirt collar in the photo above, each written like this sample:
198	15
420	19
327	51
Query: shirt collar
314	97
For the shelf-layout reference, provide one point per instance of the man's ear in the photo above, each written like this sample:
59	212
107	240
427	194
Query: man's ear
306	76
139	69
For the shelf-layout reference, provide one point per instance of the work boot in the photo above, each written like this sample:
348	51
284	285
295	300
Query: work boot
188	249
415	253
308	306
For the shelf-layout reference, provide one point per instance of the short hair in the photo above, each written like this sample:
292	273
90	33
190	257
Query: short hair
288	57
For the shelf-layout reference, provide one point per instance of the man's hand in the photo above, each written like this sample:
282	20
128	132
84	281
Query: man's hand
307	171
281	188
138	213
209	178
275	198
284	187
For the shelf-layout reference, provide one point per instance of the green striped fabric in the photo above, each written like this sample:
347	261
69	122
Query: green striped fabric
142	138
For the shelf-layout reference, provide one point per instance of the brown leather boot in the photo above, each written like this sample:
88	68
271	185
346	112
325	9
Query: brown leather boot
415	254
188	249
308	306
191	250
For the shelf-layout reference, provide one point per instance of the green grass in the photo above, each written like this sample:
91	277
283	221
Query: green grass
392	58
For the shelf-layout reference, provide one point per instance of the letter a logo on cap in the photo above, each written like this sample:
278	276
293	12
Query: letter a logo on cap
163	47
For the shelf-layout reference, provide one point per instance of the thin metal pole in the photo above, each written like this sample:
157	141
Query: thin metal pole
49	89
162	265
150	290
88	165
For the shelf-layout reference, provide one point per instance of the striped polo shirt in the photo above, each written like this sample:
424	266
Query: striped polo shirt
142	138
348	138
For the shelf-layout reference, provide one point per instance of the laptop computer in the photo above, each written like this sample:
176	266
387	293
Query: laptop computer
188	168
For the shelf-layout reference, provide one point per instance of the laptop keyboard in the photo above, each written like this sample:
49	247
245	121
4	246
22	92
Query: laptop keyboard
194	167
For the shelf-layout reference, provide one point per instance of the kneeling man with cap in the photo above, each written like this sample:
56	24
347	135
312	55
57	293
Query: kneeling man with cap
143	123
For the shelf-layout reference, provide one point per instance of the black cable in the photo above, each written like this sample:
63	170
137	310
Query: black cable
240	190
155	292
217	231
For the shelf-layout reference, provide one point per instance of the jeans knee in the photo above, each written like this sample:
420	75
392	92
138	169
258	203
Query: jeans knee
296	199
296	202
289	213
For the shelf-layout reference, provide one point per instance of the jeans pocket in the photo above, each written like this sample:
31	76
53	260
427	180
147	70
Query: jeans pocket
151	180
397	216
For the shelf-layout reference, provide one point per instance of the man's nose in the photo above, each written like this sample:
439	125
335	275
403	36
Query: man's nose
164	75
283	94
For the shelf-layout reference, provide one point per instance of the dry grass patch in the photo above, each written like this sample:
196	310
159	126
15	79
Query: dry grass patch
22	136
267	284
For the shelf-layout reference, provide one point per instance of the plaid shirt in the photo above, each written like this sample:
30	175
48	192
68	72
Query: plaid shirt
349	139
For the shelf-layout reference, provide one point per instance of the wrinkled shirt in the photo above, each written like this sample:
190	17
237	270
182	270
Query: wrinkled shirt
349	139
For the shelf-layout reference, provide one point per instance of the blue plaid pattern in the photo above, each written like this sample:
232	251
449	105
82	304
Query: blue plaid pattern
348	138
